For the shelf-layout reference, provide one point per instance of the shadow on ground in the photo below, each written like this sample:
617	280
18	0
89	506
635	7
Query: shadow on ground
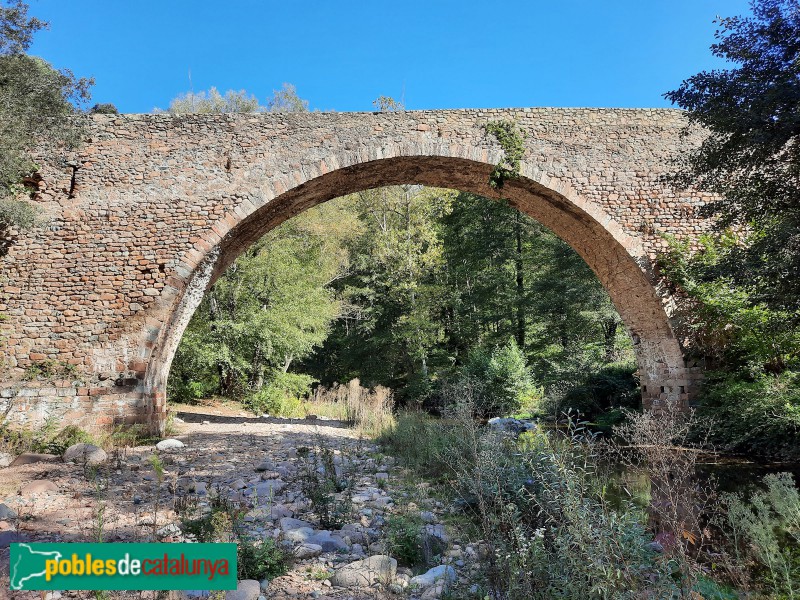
198	417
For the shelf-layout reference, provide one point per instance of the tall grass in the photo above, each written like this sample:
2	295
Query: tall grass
368	410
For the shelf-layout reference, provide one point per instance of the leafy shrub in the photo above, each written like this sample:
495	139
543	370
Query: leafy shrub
767	530
260	559
282	395
548	531
65	438
188	392
104	109
49	370
501	381
48	438
404	538
329	492
758	416
612	387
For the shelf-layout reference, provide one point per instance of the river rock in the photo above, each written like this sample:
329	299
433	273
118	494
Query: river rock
268	489
307	550
300	534
328	541
434	538
267	465
85	454
7	513
169	444
444	573
280	511
364	573
246	589
40	486
287	524
27	458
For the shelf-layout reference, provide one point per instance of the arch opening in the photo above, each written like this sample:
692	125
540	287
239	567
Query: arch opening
616	258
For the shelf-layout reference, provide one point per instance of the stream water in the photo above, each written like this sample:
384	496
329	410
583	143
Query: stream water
729	474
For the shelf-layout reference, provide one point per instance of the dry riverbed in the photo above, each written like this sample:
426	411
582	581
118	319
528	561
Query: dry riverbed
259	465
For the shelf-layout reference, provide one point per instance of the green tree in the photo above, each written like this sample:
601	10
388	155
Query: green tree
739	289
392	330
440	278
212	102
272	307
37	105
500	381
286	100
508	276
751	157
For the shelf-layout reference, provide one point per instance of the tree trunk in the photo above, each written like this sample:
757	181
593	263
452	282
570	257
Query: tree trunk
610	339
518	265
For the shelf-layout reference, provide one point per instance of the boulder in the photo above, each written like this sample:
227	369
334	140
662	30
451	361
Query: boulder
364	573
6	459
85	454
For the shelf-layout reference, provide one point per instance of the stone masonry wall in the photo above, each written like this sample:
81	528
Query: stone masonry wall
140	220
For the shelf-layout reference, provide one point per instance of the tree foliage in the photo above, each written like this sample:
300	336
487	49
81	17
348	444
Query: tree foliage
751	157
441	277
213	102
286	100
270	308
37	103
740	289
752	112
17	28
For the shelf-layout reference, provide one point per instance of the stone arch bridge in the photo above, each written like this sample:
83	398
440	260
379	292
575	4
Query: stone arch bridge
140	220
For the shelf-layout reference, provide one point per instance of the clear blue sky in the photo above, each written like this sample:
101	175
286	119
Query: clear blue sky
343	54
